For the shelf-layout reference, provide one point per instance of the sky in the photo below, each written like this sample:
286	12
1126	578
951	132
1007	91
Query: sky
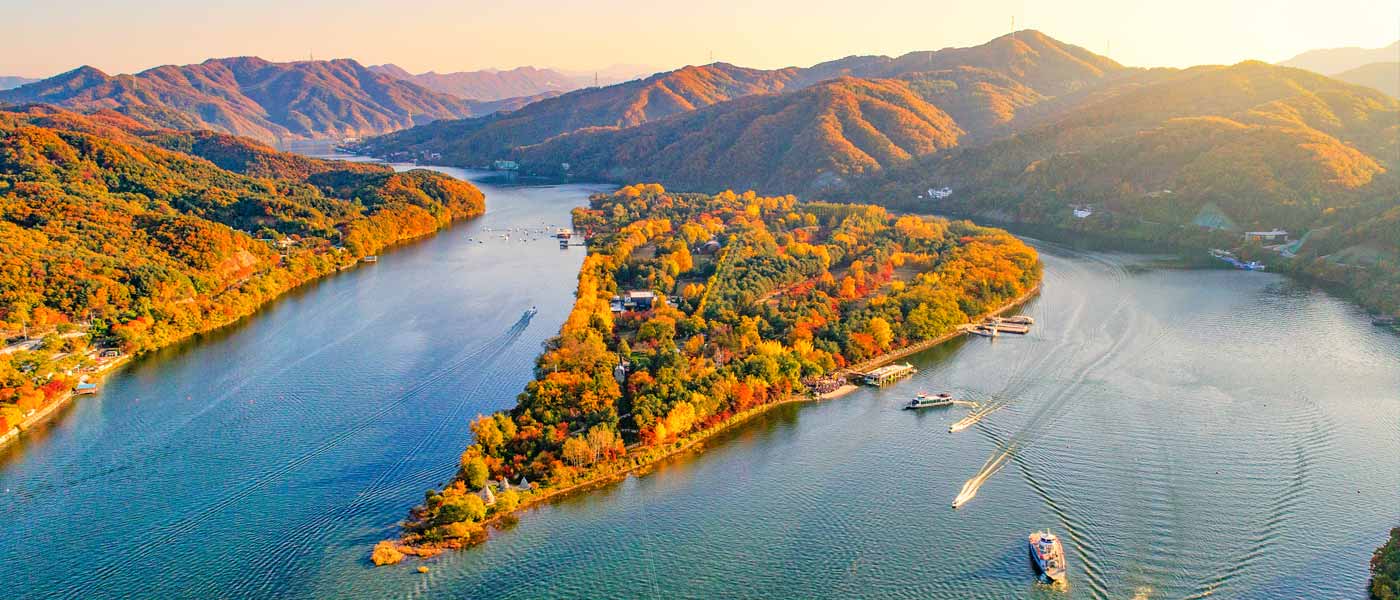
46	37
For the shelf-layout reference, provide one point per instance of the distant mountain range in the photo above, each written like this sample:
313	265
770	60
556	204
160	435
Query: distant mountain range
10	81
492	84
1384	76
1337	60
256	98
1377	68
861	114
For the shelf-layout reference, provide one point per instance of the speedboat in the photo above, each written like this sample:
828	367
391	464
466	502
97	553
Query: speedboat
529	314
925	400
1049	556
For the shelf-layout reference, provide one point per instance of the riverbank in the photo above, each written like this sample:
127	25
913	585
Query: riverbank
47	411
649	457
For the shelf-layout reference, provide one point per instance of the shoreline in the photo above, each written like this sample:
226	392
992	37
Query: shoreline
47	412
641	464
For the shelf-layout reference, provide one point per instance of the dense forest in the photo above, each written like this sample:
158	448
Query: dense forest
1385	569
127	238
755	297
253	97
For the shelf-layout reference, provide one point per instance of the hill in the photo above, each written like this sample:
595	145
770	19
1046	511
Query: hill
1029	65
791	142
1337	60
253	97
139	237
10	81
1384	76
106	219
490	84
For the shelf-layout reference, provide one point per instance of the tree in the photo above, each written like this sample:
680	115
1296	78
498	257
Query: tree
577	452
488	433
879	329
474	471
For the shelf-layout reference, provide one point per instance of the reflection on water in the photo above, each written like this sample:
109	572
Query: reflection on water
1188	433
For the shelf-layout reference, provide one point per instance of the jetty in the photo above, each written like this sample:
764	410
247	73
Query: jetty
888	374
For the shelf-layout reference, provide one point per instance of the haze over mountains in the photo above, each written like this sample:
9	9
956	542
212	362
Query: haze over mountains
494	84
1373	67
253	97
10	81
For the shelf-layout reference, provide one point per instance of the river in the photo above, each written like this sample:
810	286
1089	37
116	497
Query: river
1189	433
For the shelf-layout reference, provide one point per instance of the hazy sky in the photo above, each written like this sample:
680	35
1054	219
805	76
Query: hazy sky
44	37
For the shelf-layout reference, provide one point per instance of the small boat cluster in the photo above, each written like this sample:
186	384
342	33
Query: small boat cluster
526	234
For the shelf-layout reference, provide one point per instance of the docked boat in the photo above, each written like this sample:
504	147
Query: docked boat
1019	320
1049	556
926	400
985	331
371	259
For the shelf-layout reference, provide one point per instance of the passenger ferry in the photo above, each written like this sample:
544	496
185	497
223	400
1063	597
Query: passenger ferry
1049	557
925	400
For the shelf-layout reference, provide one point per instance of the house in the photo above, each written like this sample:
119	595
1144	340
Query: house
709	247
1273	236
1083	212
636	300
487	496
505	165
940	193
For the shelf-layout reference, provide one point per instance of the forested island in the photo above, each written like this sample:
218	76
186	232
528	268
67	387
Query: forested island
124	238
695	312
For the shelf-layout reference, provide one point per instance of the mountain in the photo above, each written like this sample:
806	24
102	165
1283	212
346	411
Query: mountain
254	97
1267	146
1384	76
489	84
474	141
794	142
10	82
1337	60
1007	74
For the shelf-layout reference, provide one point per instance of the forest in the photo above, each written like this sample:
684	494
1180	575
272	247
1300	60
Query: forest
1385	569
755	298
122	239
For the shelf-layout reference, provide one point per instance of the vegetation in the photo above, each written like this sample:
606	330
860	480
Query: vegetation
756	296
1264	146
1385	569
122	237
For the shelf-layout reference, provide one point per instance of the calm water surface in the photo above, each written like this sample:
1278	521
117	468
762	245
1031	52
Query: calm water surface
1190	433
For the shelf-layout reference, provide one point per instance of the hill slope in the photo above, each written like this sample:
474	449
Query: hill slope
1030	65
1272	146
253	97
792	142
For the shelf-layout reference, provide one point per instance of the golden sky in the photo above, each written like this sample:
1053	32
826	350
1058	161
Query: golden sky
44	37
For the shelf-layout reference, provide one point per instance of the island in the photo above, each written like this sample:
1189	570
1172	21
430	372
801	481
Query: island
695	313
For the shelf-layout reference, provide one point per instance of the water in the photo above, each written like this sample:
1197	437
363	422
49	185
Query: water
1189	433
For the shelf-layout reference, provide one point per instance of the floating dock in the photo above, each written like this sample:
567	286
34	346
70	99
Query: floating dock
888	374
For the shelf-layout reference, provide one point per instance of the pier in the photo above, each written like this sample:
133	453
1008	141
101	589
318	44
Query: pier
888	374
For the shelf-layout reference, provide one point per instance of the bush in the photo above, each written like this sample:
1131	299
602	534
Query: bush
507	501
385	553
